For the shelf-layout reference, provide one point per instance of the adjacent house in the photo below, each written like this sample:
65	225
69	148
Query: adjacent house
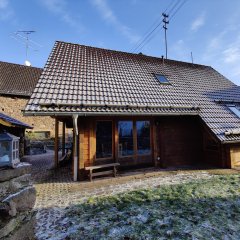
16	86
138	110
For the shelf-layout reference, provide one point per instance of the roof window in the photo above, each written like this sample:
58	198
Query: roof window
162	79
234	110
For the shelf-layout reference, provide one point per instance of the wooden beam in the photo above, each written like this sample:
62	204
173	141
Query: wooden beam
92	142
56	144
75	147
115	139
81	150
135	156
154	135
63	139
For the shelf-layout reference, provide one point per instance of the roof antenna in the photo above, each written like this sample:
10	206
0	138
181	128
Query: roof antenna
27	33
192	57
165	21
23	37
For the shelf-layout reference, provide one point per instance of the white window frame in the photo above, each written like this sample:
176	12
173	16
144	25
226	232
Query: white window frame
233	109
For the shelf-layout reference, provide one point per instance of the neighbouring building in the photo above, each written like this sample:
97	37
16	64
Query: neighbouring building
17	83
15	127
138	110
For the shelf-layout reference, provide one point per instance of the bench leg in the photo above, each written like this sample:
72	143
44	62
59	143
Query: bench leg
90	175
114	171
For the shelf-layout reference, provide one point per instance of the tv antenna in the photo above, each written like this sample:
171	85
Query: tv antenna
23	37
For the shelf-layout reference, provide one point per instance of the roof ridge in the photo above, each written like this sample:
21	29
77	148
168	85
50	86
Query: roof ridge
134	54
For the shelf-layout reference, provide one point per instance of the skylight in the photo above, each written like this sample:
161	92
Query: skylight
234	110
162	79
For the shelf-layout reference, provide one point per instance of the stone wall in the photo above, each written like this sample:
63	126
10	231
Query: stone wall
17	199
12	106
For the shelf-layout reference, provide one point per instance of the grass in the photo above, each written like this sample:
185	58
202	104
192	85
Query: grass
203	209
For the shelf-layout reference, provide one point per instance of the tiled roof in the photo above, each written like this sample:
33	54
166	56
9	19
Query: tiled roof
13	121
88	80
18	79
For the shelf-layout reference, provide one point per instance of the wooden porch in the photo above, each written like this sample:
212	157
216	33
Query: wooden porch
148	142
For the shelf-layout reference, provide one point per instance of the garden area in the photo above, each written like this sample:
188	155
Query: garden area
198	209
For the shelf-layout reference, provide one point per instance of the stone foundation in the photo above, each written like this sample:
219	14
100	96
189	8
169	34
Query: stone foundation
17	199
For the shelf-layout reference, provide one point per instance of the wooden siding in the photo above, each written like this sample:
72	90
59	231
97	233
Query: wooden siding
87	144
175	142
213	151
84	140
235	156
180	141
232	155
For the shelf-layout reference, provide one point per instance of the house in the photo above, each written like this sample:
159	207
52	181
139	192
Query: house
139	110
15	127
16	86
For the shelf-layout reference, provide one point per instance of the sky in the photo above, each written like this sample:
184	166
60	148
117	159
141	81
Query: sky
210	29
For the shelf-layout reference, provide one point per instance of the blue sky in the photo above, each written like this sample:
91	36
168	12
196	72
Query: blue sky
208	28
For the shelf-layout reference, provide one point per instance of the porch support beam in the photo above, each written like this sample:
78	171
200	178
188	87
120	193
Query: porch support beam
63	138
56	144
75	148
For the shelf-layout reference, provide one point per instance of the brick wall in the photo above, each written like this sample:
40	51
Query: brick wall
12	106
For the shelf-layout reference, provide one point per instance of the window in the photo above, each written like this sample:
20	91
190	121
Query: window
125	144
5	151
104	139
134	138
162	79
234	110
143	137
15	150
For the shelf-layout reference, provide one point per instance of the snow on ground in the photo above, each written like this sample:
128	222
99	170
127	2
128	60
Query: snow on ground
198	209
131	208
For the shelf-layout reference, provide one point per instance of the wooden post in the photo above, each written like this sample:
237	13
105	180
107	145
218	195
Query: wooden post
75	148
115	139
154	142
81	141
56	142
92	142
63	139
135	155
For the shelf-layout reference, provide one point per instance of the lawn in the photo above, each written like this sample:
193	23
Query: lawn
201	209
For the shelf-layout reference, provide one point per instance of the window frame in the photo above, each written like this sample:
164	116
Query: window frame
15	150
234	110
160	74
150	139
135	142
126	156
113	130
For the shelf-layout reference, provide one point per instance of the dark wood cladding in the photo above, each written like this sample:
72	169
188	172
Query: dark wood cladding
180	141
213	154
176	141
87	144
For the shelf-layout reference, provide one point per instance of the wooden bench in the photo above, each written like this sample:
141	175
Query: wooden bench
101	173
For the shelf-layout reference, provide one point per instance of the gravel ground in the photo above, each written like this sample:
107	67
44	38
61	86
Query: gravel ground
56	191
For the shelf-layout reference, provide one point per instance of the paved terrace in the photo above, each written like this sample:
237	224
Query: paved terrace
56	191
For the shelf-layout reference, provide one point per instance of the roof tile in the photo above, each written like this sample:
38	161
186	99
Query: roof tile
77	75
18	79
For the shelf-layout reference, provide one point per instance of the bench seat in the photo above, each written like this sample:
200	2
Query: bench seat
102	173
